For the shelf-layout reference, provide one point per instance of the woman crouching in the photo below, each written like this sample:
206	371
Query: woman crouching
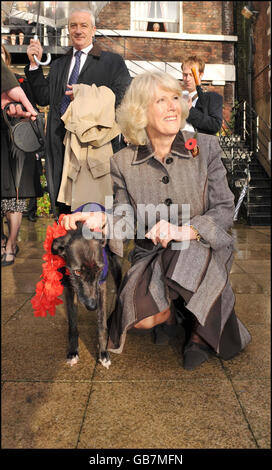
182	210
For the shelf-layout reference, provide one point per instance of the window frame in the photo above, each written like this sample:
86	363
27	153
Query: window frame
134	19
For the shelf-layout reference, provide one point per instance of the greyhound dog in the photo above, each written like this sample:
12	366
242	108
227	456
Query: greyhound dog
87	261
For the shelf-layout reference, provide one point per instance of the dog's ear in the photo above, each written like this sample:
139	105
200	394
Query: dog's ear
59	244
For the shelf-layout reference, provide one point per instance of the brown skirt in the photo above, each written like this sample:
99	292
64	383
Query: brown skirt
148	289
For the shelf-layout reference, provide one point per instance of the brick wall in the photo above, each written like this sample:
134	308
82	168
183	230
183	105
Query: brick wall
169	50
115	15
242	53
227	18
262	77
202	17
198	17
262	86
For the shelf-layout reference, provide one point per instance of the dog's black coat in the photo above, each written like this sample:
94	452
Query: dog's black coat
85	262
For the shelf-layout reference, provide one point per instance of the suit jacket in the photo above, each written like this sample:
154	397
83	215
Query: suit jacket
100	68
207	115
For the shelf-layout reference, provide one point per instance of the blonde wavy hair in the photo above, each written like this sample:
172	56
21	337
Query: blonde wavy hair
131	115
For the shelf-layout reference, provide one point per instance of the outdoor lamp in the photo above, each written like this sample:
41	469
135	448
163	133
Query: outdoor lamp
247	13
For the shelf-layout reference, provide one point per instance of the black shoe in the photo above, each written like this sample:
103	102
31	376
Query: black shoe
195	354
4	261
139	331
163	333
4	240
32	218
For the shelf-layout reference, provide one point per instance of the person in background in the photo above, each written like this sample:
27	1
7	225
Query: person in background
156	27
183	255
84	63
12	206
32	208
205	108
13	37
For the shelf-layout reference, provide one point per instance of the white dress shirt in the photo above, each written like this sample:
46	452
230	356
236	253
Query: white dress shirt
83	58
189	127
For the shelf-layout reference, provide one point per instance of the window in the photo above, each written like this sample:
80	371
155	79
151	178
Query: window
166	14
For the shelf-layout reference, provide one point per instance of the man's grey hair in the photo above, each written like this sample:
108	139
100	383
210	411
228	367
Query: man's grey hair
82	10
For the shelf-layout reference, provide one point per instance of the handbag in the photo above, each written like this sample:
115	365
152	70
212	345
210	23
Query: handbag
26	135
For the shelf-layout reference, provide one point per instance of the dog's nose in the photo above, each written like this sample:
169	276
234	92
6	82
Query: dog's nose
91	304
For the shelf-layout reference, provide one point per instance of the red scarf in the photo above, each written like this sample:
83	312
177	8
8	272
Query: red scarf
50	287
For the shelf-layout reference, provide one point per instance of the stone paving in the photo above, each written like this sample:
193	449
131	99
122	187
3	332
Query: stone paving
146	400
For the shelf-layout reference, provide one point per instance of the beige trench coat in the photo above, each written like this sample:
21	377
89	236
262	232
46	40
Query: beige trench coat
90	124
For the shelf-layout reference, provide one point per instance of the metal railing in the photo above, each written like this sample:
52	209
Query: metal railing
253	130
244	137
127	52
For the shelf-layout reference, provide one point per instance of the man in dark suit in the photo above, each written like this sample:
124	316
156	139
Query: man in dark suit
206	108
96	67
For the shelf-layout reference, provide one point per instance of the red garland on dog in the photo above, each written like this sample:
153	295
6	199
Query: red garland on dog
50	287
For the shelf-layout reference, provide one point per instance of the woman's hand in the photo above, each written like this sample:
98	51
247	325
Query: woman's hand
163	232
17	94
93	220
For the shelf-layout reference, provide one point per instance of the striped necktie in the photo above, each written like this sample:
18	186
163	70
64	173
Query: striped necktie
73	79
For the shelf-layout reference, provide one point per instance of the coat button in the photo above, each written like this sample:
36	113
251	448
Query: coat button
169	160
165	179
168	202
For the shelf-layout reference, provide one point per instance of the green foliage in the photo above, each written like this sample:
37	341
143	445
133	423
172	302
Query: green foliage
43	203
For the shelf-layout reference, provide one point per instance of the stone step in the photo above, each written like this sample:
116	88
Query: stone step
262	184
259	219
255	191
263	209
259	199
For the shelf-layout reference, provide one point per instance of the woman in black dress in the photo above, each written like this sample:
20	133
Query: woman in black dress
12	207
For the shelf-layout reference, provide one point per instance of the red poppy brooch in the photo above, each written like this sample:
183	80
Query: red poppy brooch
191	144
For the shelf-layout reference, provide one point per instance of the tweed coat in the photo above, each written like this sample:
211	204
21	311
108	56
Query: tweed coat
196	187
103	68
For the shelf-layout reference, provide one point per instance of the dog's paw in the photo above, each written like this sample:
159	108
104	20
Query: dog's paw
105	362
71	361
104	359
